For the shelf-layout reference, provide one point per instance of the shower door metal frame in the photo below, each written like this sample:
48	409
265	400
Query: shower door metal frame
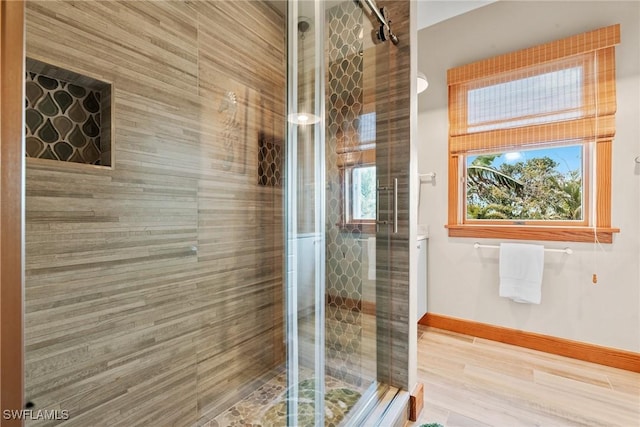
320	217
291	216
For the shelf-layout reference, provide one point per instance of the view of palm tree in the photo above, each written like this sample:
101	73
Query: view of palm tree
532	185
364	192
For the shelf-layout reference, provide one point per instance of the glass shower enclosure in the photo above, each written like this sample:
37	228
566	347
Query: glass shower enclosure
215	231
339	214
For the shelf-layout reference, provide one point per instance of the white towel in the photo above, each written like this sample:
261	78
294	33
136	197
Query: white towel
371	254
521	269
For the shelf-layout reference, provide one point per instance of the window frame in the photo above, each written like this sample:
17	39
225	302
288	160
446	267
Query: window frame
347	162
596	128
587	186
351	204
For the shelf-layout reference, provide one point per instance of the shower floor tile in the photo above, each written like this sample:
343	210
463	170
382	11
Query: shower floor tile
267	406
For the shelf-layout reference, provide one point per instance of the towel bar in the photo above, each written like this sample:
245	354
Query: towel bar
567	251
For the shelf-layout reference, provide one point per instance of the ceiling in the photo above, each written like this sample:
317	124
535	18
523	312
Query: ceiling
430	12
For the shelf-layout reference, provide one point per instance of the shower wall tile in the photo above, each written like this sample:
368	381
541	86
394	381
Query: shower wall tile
153	290
344	104
393	149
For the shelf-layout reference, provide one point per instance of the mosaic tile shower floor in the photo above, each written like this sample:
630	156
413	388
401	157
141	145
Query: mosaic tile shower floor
266	407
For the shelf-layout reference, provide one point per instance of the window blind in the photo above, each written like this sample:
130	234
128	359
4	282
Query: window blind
559	91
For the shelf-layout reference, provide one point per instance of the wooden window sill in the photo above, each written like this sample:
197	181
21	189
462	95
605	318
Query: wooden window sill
533	232
363	227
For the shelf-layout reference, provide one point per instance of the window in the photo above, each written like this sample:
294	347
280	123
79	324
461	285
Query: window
362	186
356	150
530	139
367	130
358	179
529	185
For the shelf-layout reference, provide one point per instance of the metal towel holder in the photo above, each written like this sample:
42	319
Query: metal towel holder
567	251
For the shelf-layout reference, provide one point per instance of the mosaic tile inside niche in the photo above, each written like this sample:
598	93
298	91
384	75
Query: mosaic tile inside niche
269	160
344	249
62	120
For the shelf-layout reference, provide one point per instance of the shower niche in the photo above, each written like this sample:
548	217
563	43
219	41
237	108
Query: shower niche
68	116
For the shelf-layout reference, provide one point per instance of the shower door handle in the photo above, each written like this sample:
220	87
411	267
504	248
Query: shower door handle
377	204
378	190
395	205
379	222
394	208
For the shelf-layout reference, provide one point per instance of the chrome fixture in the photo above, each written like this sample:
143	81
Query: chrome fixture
394	220
567	251
304	117
384	33
429	176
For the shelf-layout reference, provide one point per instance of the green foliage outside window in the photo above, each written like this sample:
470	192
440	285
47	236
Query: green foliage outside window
537	188
364	196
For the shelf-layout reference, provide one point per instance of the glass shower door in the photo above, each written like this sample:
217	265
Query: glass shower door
305	217
336	116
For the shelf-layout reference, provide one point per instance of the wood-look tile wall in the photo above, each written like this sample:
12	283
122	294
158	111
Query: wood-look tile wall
392	160
154	290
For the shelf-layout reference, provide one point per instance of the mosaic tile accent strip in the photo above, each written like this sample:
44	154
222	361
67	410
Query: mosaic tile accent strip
62	120
269	161
344	250
267	406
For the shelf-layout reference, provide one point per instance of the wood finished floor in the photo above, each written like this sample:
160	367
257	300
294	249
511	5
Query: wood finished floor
476	382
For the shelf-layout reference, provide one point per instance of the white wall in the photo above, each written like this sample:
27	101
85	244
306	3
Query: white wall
463	281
